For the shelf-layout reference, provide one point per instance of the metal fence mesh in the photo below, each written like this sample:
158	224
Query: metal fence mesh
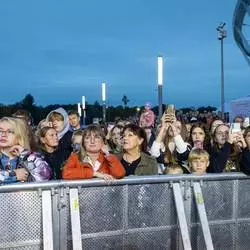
131	216
20	220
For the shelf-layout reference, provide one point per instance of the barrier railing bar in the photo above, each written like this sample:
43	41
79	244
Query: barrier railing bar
125	214
16	244
219	222
126	181
181	216
63	195
202	215
235	212
56	221
75	219
128	231
47	220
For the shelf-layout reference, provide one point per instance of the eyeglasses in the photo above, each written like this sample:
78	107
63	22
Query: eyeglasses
7	132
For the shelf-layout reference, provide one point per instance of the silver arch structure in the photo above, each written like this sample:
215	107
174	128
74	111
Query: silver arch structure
241	11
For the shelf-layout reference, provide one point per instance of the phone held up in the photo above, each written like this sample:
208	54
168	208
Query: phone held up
170	113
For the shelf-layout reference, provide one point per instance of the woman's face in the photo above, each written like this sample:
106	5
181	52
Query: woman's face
51	139
7	135
221	134
247	139
214	125
131	141
198	135
188	127
116	136
93	143
58	125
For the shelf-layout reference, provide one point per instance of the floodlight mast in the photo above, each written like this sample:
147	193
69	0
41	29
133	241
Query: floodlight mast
222	34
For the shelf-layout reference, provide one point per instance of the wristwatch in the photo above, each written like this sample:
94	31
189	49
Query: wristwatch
12	173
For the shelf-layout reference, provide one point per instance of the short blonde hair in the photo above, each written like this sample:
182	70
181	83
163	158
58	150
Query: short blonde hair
75	134
197	153
55	116
173	167
20	129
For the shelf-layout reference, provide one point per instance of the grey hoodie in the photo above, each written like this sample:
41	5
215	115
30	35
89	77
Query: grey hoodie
66	121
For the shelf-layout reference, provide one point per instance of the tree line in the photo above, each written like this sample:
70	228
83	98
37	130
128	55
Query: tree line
92	110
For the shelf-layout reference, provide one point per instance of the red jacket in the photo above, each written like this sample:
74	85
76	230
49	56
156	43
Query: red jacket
109	164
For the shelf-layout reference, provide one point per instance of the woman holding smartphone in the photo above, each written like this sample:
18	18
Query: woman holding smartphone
170	142
225	153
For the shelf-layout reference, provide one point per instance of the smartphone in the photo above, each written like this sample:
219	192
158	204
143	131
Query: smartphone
170	113
246	122
170	109
235	127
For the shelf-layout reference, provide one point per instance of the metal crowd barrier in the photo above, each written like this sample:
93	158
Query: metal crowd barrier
150	212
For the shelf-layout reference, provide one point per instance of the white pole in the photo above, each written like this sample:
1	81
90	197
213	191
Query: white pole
160	70
83	102
160	83
79	109
103	91
104	101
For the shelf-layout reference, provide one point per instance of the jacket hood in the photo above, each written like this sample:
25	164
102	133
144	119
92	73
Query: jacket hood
65	118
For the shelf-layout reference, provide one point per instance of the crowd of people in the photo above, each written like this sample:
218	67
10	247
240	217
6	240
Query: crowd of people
61	148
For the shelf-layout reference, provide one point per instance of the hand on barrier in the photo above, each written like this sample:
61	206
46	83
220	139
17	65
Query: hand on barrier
107	177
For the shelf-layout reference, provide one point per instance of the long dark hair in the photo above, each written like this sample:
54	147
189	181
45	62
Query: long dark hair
206	143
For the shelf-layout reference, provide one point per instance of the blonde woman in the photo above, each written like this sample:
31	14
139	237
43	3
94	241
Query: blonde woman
17	162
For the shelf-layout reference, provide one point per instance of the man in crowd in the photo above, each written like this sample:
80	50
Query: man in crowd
74	121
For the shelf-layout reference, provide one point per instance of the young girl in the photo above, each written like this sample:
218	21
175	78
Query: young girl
93	160
169	142
17	162
225	153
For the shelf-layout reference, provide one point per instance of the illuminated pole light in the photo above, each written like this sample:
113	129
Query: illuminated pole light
160	83
104	101
79	109
160	70
103	91
83	110
83	102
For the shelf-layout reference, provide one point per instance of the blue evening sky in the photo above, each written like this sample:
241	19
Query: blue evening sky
59	50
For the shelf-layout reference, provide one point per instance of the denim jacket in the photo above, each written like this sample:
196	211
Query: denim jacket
33	162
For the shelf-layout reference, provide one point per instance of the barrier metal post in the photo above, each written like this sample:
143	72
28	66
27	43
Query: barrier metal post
75	219
202	215
181	216
47	220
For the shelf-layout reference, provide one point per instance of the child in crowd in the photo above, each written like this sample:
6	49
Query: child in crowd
77	141
59	120
198	161
173	168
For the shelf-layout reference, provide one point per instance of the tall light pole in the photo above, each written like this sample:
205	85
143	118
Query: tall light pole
83	109
222	34
160	83
104	101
